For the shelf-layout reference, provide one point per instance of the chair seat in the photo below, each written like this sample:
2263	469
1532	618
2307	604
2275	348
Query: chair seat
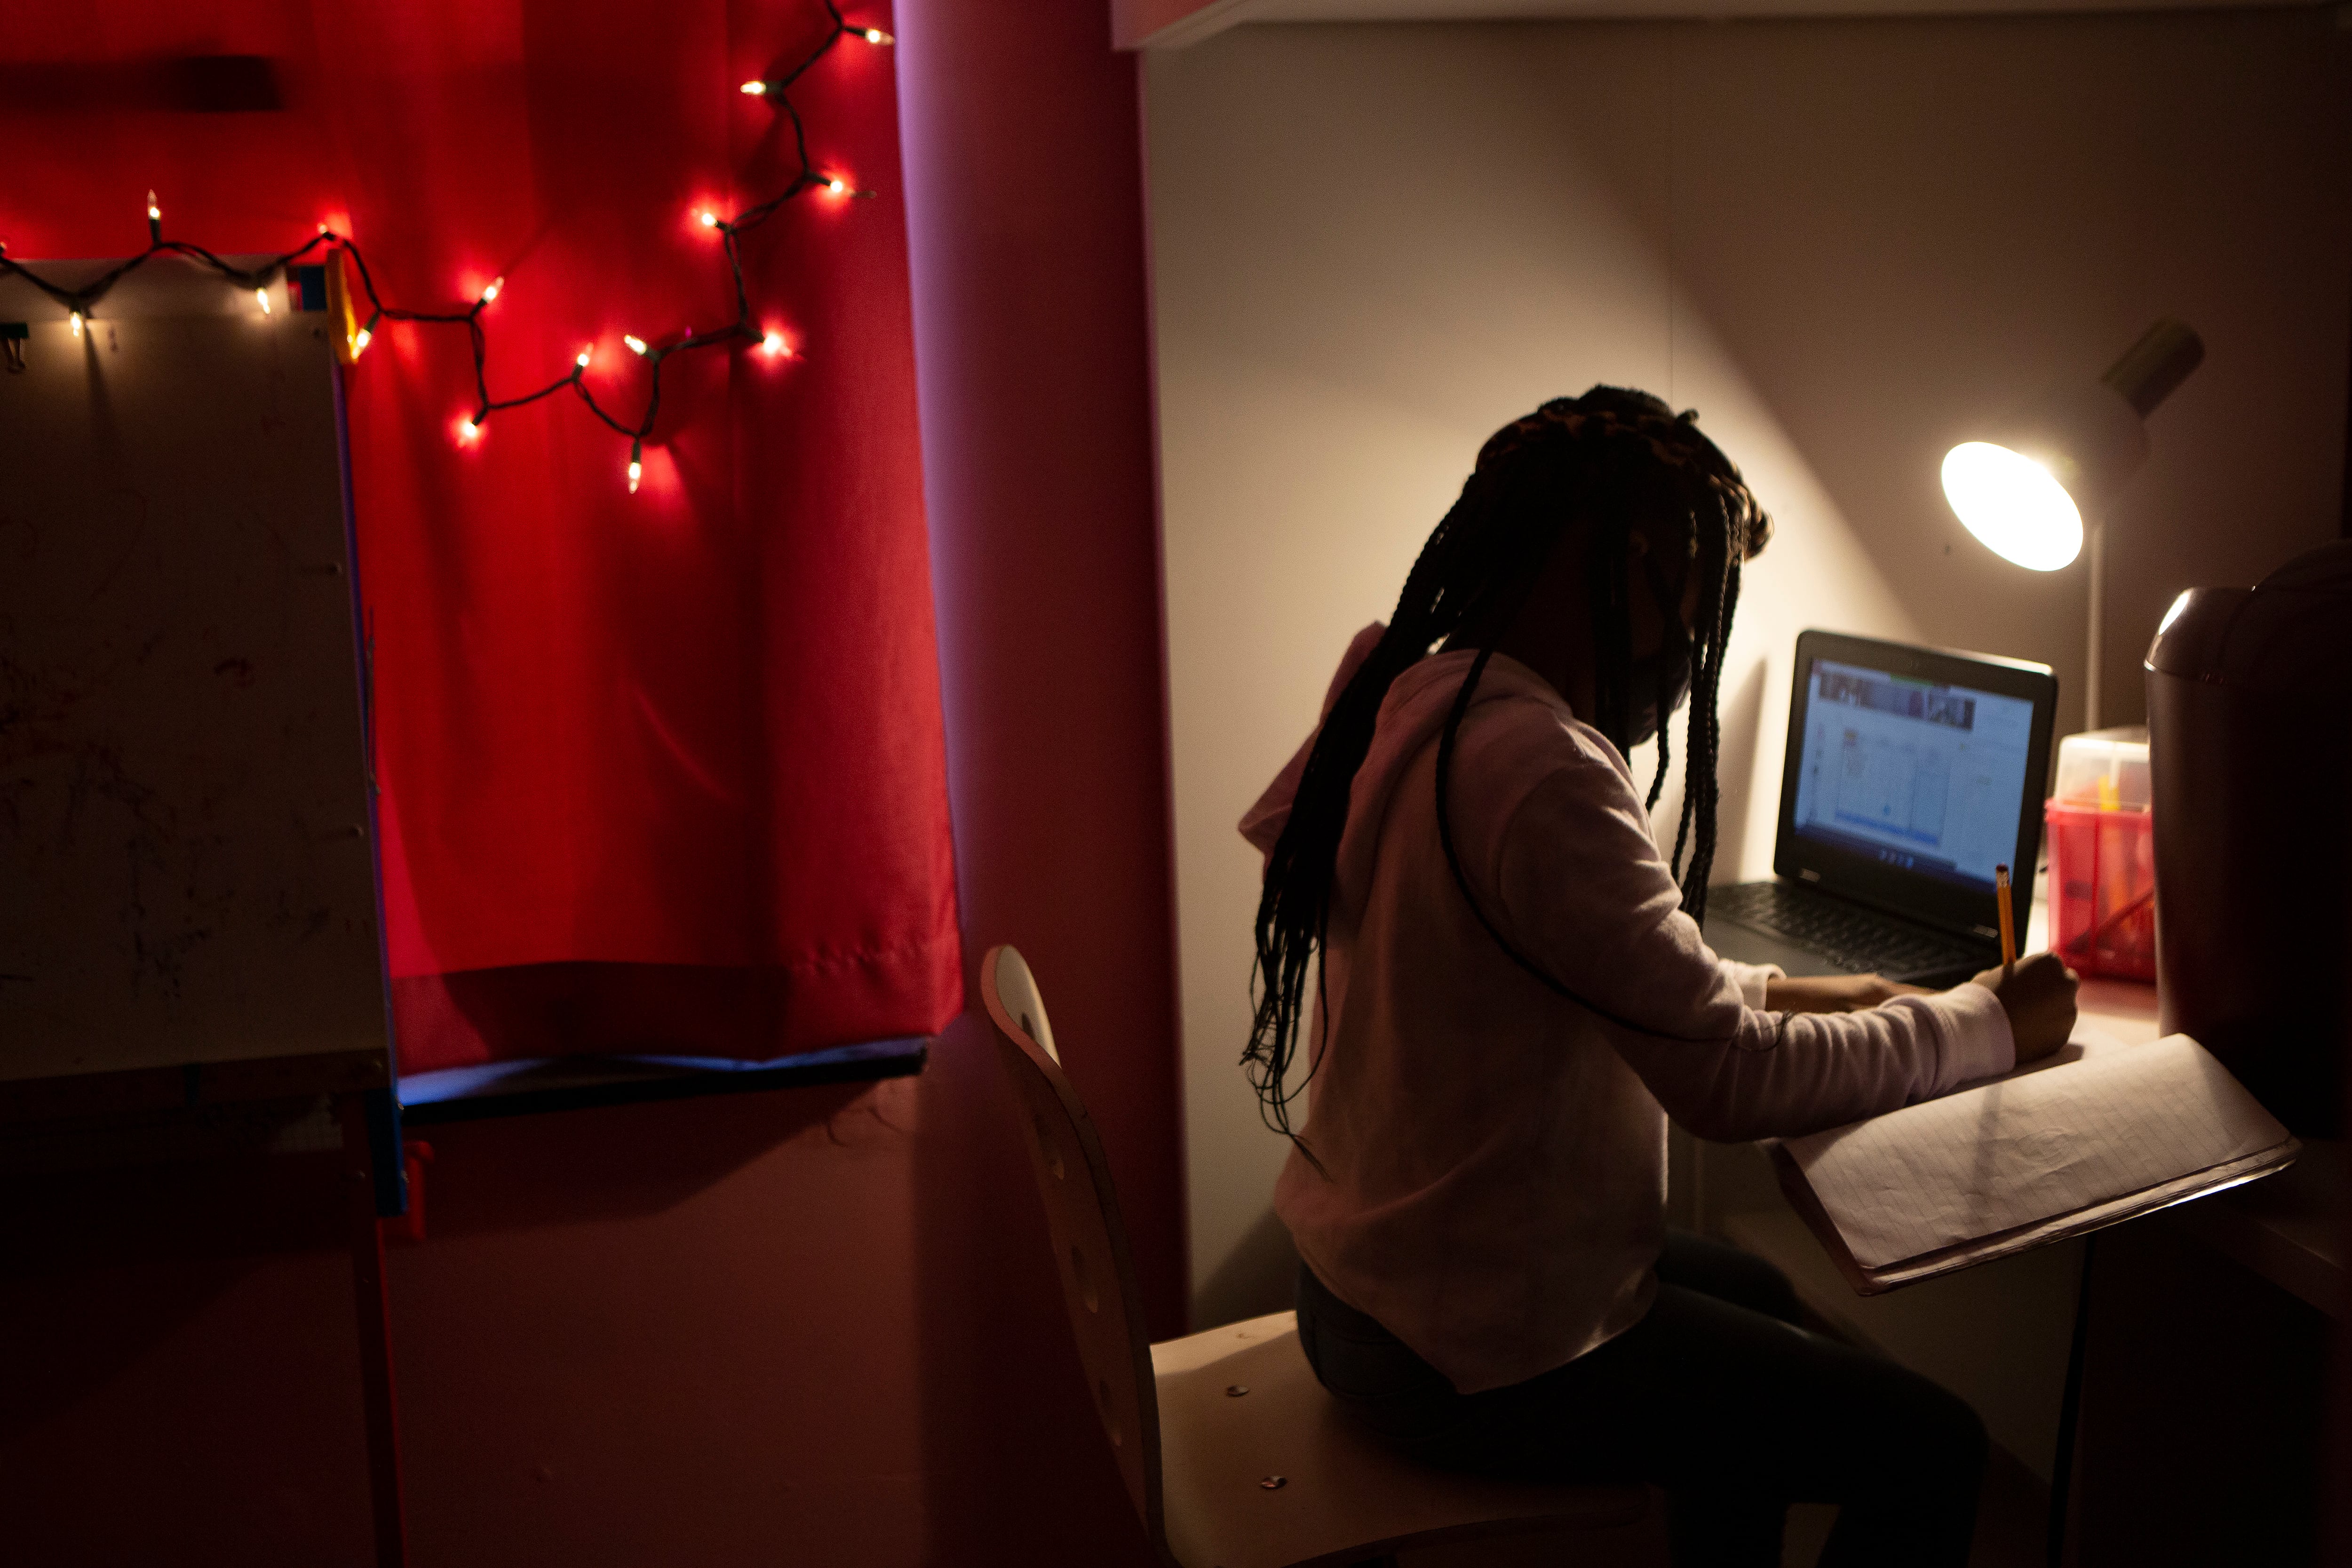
1344	1496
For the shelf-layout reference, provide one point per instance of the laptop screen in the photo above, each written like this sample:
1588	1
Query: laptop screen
1923	776
1911	772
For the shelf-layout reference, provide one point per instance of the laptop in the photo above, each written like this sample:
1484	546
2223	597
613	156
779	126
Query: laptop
1911	773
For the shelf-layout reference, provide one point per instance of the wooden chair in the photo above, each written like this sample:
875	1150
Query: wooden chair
1231	1452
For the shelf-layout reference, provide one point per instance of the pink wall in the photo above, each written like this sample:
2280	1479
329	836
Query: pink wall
1026	244
816	1326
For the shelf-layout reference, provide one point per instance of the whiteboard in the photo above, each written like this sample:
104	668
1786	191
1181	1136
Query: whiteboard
187	869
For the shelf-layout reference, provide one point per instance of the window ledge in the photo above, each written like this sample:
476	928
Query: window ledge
580	1083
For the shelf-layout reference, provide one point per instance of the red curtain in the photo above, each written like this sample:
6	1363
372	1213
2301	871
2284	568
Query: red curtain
661	771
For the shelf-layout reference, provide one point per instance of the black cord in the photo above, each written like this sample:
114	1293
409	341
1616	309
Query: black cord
78	301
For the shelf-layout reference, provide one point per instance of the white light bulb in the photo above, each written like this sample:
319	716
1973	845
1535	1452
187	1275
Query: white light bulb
836	184
637	344
359	341
583	360
2013	505
491	292
154	213
711	220
636	472
469	428
876	35
774	343
263	295
76	320
756	88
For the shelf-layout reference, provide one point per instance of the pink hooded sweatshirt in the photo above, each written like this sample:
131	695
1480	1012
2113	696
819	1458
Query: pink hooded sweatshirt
1493	1155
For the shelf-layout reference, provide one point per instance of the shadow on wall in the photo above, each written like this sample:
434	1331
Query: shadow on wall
92	1326
1323	396
102	1267
1257	1275
1741	720
1841	240
1924	274
574	1167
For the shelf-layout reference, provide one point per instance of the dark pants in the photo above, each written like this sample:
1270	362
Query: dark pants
1714	1395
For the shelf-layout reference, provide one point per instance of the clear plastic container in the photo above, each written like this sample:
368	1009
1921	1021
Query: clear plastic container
2102	885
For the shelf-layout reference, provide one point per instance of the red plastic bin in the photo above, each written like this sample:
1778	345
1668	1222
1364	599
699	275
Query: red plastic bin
2102	889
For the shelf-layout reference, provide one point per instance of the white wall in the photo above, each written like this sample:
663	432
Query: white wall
1840	241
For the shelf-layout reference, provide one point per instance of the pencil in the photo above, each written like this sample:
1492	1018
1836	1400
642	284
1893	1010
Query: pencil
2007	920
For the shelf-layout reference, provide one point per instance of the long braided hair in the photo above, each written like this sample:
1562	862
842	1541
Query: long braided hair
1616	461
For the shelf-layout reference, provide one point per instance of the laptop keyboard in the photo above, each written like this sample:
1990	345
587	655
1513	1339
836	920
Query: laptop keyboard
1854	938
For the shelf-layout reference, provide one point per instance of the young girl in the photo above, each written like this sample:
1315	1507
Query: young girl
1514	997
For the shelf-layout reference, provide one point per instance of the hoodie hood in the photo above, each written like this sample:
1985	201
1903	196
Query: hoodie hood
1412	715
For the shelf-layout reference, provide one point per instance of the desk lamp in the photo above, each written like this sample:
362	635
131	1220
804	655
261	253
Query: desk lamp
2025	490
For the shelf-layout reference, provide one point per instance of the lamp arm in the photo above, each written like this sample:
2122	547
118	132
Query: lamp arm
2153	366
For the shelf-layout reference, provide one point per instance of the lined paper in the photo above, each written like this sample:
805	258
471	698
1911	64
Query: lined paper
2023	1149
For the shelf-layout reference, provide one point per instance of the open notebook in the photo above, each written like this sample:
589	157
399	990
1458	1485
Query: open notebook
2097	1134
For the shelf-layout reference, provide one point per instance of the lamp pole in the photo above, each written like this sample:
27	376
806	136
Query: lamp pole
2094	529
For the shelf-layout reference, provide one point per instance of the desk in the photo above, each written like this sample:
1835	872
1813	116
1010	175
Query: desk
2250	1281
2290	1227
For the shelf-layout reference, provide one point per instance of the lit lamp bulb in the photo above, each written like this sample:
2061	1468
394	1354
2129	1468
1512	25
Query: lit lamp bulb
876	35
583	360
756	88
836	184
365	335
2024	493
154	213
262	295
74	318
637	344
775	345
636	464
470	427
2013	505
491	292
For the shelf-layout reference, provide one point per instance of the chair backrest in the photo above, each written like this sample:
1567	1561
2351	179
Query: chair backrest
1091	1254
1018	990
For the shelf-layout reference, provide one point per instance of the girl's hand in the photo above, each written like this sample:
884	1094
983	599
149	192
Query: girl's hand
1834	993
2038	994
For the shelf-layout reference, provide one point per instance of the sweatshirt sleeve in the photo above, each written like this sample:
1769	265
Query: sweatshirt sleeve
1582	891
1262	823
1750	979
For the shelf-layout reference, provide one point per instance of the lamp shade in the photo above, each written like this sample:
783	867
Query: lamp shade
2022	488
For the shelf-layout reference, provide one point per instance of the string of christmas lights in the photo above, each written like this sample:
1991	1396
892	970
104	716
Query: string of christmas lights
78	302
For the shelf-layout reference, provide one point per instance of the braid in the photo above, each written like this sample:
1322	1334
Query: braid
1467	563
1612	698
1736	532
1611	457
1666	730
